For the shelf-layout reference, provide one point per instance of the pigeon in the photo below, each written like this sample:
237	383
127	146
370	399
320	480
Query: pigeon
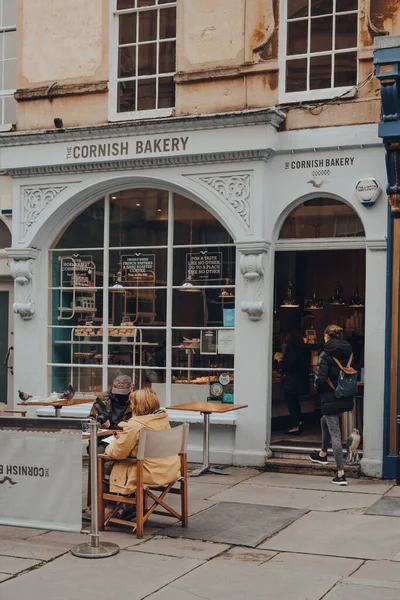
68	394
352	443
23	396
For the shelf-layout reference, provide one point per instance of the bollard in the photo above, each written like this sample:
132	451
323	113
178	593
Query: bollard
95	548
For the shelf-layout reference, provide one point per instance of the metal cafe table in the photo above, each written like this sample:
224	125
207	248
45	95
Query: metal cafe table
59	404
206	409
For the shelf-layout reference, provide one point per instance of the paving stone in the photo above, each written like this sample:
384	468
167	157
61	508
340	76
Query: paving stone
172	593
338	534
270	496
180	547
381	570
394	492
340	567
316	482
344	501
389	507
235	475
235	523
32	549
122	538
246	555
126	575
4	576
9	564
345	591
217	580
201	490
19	533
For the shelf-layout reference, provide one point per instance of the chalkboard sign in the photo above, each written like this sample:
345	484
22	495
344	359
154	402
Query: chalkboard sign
78	270
208	341
204	265
137	267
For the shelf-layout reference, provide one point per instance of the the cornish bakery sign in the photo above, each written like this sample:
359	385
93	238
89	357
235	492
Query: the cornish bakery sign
120	149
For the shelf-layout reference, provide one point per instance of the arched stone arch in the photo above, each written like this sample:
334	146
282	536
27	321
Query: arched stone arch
5	234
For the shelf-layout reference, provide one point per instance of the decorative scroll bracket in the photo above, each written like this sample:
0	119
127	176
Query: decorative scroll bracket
252	267
22	271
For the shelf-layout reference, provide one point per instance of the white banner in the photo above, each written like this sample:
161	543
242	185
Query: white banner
41	479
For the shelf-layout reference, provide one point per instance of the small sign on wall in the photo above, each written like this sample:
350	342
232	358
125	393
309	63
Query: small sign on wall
368	191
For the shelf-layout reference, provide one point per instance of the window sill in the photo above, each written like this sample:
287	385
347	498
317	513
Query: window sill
348	93
141	115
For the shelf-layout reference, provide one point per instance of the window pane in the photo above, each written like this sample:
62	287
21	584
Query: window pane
194	386
320	72
144	347
139	268
195	225
166	92
84	379
321	7
147	25
127	28
10	74
344	5
189	351
296	75
167	23
86	230
147	59
167	57
126	96
321	34
297	8
10	109
212	266
165	1
141	3
142	307
345	69
10	44
139	217
346	31
146	94
127	61
5	234
122	4
9	17
297	37
202	308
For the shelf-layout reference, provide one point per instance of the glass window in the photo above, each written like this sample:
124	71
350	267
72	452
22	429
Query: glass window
150	293
322	218
8	60
146	55
319	37
5	236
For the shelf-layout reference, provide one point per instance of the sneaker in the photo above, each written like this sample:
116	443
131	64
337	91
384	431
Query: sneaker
339	480
317	458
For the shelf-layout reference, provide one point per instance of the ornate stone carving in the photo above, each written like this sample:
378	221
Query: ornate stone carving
252	266
34	201
263	32
234	189
22	273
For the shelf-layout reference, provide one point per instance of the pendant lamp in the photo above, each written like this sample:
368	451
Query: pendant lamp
314	303
289	301
356	301
337	298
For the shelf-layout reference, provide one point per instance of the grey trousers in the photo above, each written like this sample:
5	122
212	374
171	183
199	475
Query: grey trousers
330	425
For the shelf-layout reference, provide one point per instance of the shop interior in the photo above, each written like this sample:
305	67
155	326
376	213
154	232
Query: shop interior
312	290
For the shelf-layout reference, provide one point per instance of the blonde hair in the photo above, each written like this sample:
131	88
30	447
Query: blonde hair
144	402
334	331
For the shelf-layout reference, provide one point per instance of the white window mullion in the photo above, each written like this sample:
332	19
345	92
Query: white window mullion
157	56
106	268
308	47
137	62
333	45
170	281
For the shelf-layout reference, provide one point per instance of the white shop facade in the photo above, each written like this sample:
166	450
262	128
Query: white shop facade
166	250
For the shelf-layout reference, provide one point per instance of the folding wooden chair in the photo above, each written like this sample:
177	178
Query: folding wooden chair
152	445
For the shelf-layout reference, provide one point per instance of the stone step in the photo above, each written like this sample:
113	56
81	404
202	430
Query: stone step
306	467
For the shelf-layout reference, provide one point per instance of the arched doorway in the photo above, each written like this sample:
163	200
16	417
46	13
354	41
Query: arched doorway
6	316
142	283
319	279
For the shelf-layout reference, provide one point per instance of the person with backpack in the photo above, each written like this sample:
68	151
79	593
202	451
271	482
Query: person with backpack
336	383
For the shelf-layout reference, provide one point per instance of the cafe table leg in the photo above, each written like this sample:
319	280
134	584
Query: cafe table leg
205	468
58	412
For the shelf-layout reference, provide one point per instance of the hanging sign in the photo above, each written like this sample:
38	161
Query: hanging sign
208	341
138	267
204	265
78	270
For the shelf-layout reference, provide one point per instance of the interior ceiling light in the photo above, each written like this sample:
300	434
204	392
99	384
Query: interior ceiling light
337	298
356	301
289	301
314	303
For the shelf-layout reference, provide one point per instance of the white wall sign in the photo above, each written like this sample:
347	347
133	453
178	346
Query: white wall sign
41	480
368	191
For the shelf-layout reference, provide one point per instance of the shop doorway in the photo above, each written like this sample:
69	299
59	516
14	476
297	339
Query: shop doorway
314	288
4	304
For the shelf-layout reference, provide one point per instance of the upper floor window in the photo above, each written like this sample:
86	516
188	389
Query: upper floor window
318	48
144	65
8	60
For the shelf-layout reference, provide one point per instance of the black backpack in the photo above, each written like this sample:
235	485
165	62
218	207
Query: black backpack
347	380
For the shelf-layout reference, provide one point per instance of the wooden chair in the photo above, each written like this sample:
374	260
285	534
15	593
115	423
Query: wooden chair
152	445
6	411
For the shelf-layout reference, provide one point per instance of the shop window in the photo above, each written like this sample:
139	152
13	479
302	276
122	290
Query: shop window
8	61
145	60
319	48
322	218
5	236
143	283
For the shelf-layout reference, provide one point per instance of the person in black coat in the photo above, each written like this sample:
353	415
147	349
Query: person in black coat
326	379
295	366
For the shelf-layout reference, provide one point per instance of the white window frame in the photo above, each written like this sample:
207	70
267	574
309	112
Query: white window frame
5	93
113	113
320	94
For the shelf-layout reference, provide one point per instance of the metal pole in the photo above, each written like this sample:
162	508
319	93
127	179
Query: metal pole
206	441
95	549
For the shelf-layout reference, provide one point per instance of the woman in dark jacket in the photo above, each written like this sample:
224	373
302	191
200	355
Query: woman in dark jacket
326	379
295	366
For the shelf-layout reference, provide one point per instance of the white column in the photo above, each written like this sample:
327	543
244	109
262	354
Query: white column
252	353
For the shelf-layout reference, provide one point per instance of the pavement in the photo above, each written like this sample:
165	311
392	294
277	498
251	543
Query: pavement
251	535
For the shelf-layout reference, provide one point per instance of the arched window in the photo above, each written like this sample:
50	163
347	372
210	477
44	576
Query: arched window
5	236
322	218
158	271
